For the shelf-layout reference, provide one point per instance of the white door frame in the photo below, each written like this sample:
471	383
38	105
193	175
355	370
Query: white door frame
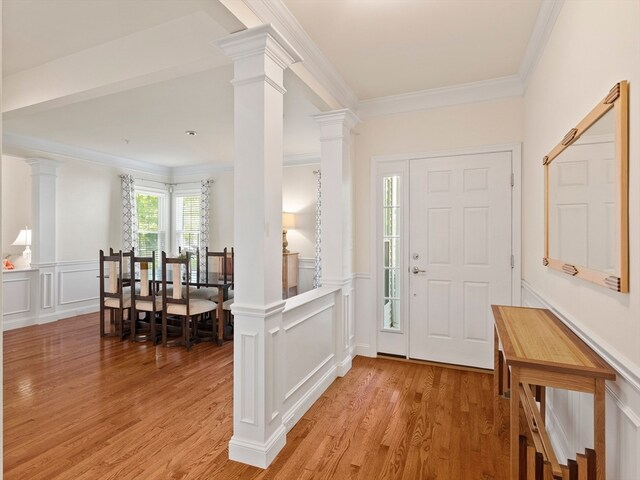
375	225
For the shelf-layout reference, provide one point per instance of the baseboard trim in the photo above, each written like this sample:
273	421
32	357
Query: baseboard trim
299	408
365	350
258	454
344	366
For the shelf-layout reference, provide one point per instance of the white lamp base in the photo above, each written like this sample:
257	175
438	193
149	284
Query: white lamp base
27	256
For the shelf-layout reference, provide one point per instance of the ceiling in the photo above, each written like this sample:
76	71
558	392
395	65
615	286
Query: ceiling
379	48
383	48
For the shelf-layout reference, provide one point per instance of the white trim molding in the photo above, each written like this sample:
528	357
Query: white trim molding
481	91
276	13
545	21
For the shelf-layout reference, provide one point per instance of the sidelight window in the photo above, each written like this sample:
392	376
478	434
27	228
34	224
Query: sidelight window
391	252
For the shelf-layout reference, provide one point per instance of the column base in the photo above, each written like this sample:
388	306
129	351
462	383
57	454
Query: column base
257	454
342	367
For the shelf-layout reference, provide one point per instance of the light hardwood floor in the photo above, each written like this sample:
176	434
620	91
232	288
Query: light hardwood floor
80	407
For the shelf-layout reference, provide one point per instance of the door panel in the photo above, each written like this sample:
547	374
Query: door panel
460	231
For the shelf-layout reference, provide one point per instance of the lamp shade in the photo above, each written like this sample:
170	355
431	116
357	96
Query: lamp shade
23	238
288	220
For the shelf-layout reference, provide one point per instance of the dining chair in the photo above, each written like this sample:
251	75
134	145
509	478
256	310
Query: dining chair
214	273
145	298
229	278
178	304
113	297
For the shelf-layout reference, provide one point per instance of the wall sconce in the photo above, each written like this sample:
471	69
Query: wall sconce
24	239
288	221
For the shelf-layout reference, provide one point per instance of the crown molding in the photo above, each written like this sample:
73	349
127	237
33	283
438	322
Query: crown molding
442	97
302	159
545	21
37	145
276	13
32	147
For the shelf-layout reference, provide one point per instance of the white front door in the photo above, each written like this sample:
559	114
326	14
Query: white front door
460	251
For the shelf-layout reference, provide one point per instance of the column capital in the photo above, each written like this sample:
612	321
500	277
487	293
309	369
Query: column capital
343	117
256	42
43	166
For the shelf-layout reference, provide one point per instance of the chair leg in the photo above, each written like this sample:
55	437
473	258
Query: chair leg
102	319
152	327
132	324
164	328
186	330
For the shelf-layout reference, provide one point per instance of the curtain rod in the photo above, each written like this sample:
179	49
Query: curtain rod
172	184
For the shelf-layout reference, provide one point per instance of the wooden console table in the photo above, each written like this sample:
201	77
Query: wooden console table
534	349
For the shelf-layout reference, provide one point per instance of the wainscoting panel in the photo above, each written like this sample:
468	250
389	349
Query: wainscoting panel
49	293
306	267
20	298
570	417
78	285
16	295
365	316
309	351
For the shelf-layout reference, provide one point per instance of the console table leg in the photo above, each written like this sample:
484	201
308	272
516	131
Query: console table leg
514	422
497	366
599	429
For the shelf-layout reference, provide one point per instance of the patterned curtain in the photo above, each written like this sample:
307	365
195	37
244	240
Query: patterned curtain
129	216
204	225
317	272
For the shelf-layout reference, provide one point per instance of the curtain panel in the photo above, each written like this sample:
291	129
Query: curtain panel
129	216
317	270
205	195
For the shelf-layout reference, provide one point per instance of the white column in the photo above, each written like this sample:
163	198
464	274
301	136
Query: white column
337	242
43	210
260	57
43	232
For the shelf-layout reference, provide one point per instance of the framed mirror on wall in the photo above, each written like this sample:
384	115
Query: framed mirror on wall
587	196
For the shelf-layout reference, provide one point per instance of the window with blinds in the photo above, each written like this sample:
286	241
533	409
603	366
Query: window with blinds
187	223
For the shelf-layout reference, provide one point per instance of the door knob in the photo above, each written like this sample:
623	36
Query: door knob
417	270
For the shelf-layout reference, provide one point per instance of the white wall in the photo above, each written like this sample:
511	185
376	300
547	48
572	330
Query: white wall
16	201
480	124
88	210
299	190
221	211
593	45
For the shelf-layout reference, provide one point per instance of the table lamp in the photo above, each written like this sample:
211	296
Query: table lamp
24	239
288	221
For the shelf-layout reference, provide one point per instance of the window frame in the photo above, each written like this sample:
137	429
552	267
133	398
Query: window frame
186	192
163	216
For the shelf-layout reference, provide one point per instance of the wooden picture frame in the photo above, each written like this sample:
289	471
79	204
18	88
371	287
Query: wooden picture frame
616	102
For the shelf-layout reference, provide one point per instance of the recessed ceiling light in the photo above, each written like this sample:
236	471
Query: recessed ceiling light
191	133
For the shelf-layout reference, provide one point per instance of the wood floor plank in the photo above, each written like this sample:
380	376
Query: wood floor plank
79	407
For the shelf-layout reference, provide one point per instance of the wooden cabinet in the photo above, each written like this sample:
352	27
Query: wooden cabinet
289	274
